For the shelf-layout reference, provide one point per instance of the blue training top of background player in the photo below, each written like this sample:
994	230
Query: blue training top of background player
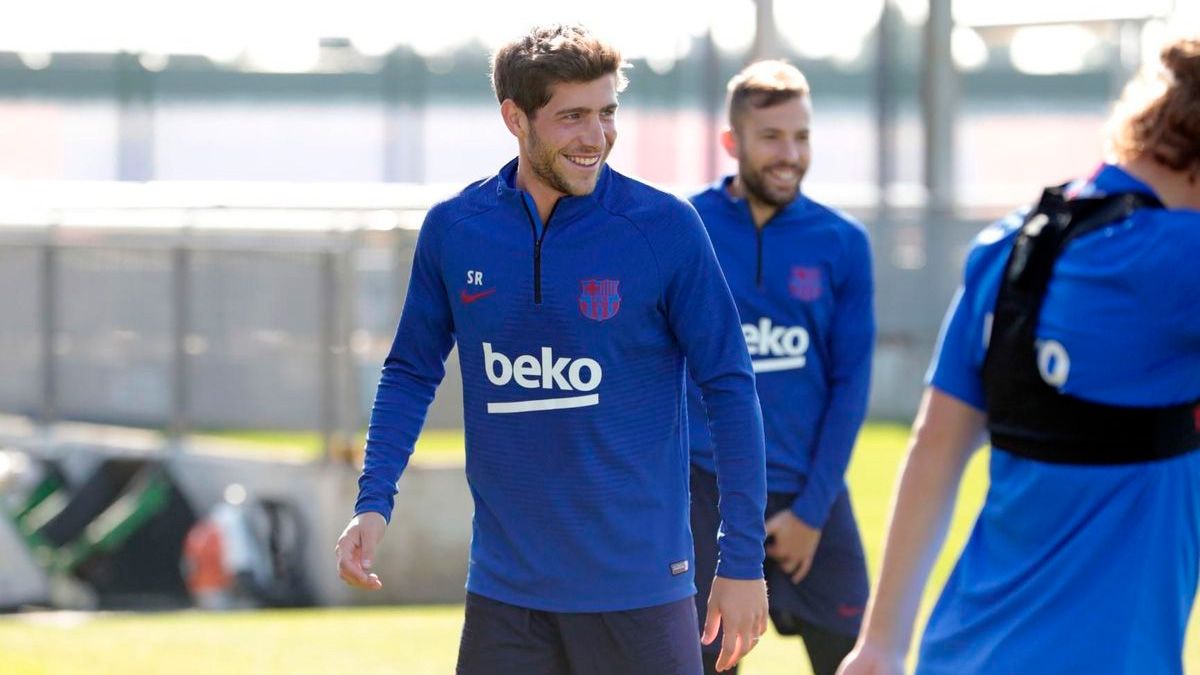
807	311
1082	569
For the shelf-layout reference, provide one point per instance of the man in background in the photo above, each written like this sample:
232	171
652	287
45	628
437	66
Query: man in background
801	275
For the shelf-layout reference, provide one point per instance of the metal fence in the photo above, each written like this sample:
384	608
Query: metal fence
180	327
265	318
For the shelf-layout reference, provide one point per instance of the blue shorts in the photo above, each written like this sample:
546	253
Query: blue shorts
834	593
501	638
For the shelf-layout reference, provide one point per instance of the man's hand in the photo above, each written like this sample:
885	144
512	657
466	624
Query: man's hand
795	543
741	605
355	551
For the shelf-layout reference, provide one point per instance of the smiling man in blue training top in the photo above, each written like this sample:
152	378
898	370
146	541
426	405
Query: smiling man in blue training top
576	297
801	275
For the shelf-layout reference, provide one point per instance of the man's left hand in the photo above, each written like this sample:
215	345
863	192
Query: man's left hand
794	544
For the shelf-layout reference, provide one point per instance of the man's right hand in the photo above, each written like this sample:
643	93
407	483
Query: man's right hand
355	550
740	607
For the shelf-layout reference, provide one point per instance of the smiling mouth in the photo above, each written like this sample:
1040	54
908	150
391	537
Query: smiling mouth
786	175
583	161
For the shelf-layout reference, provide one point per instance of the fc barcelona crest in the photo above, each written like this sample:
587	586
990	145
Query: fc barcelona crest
805	283
599	299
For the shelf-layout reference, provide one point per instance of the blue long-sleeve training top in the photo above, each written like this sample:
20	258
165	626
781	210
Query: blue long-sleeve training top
572	338
804	290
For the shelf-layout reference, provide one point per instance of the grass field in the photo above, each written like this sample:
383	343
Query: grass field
434	445
410	640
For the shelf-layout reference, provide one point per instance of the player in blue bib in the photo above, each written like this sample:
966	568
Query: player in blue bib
801	275
577	298
1074	342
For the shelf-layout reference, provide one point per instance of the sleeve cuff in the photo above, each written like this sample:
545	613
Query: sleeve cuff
806	509
740	569
373	506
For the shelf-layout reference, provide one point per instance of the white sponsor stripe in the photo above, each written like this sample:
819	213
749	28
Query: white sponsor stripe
545	404
769	365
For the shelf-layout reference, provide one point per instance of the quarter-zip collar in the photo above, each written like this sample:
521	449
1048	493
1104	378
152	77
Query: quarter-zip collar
742	206
566	209
722	187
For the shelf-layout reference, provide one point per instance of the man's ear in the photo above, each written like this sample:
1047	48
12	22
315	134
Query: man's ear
729	142
514	118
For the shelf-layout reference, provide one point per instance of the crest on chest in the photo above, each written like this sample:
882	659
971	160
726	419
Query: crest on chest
599	299
804	283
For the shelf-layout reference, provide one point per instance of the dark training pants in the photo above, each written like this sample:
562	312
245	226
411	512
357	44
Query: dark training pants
503	639
825	651
824	609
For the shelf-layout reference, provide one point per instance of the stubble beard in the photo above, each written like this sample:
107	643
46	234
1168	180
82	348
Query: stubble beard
542	161
756	187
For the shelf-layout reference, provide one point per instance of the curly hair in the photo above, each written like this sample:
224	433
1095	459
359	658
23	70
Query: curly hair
1159	113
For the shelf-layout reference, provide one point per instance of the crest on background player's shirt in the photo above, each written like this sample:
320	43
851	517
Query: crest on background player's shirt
805	283
599	299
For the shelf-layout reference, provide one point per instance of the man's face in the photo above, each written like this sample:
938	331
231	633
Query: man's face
772	148
570	137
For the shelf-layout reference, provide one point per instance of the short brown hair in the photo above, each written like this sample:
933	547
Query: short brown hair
1159	113
763	84
526	68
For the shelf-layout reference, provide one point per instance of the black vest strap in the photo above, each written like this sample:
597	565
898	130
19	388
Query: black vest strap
1026	415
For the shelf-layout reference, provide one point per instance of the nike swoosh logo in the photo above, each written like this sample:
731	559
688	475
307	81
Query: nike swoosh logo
468	298
848	611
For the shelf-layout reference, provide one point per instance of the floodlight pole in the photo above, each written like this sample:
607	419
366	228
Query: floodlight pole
403	81
885	109
713	104
939	109
939	113
135	118
765	44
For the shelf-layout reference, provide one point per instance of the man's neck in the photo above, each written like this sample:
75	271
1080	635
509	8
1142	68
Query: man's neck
1176	189
760	211
544	196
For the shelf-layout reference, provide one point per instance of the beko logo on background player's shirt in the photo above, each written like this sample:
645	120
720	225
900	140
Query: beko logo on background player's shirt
784	347
544	372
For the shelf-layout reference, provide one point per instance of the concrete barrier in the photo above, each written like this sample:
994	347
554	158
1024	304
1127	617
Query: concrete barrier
424	555
423	558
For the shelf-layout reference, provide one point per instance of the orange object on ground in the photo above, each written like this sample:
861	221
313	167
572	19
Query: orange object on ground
204	560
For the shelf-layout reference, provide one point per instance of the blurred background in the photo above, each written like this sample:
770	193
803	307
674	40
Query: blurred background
208	212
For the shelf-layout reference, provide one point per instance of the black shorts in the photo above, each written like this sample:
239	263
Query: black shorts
503	639
834	593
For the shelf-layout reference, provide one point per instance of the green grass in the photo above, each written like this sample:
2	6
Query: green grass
434	445
370	641
291	444
411	640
